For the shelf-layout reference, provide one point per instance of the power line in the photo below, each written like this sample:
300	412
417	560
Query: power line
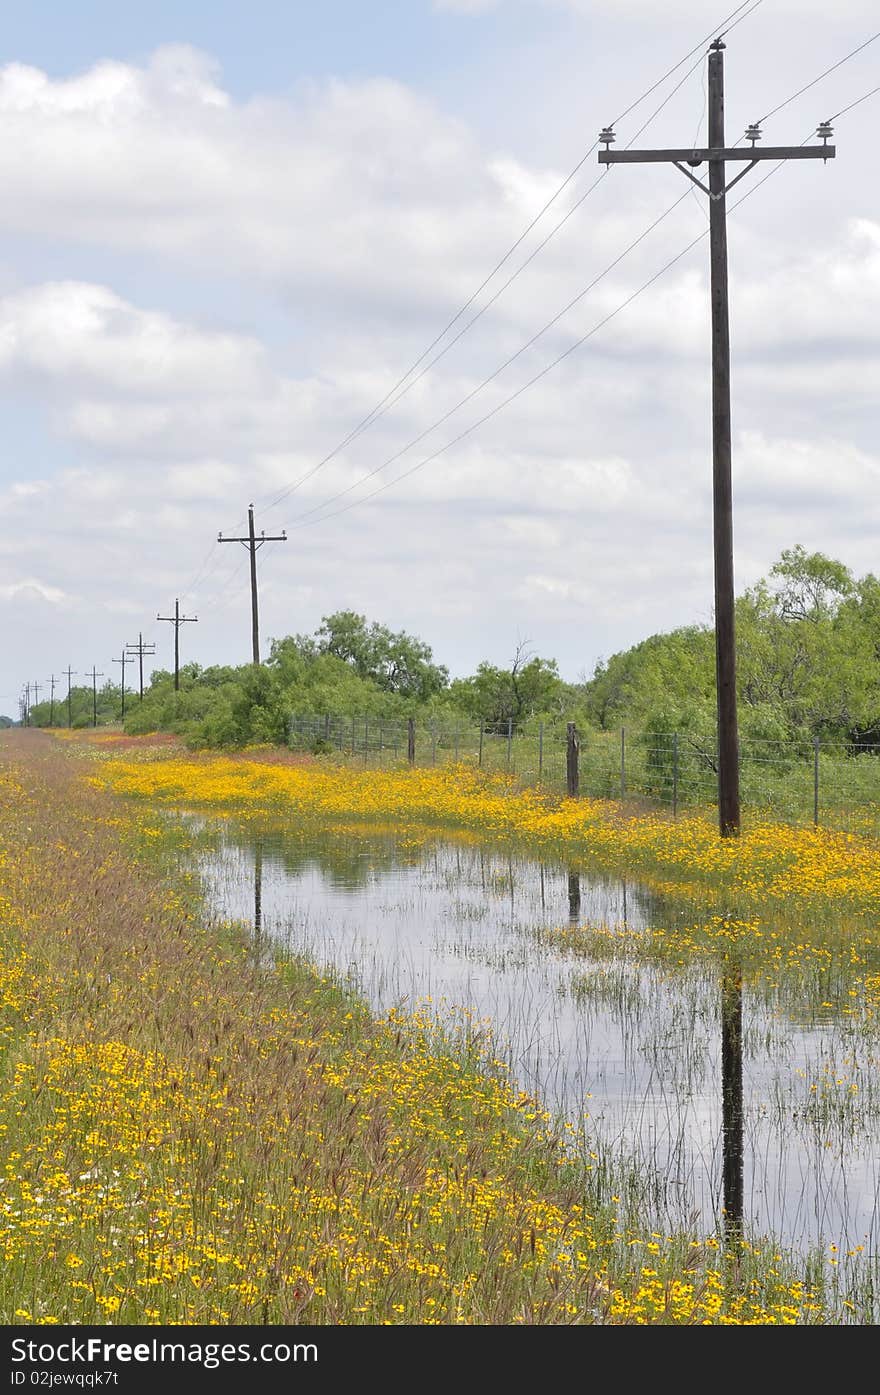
492	376
390	404
306	519
549	367
800	92
363	425
856	103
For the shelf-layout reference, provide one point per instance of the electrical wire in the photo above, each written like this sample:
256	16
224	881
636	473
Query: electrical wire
550	366
800	92
271	500
452	342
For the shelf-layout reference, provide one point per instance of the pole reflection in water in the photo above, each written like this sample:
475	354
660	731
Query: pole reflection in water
574	897
732	1099
623	884
258	902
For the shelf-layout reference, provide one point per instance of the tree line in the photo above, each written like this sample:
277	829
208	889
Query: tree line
808	662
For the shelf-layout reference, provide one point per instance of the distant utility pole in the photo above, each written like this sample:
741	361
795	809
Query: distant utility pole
252	542
94	677
69	672
177	620
140	649
53	680
27	704
36	693
717	155
126	659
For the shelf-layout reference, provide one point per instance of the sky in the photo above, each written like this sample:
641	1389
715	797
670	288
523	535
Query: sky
246	256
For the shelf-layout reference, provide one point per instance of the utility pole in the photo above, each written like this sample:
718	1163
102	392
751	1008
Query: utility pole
69	672
140	649
252	542
94	677
27	704
716	155
177	620
53	680
36	693
126	659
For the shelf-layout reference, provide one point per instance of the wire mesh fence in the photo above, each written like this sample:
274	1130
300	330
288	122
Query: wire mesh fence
830	783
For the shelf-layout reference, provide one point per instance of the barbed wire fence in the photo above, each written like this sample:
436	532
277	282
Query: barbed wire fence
833	784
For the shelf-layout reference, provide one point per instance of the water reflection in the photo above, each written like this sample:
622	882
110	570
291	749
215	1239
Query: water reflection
732	1098
705	1095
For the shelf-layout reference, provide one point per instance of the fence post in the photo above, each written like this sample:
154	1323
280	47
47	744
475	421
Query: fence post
434	743
480	758
509	739
353	735
675	776
411	740
816	781
327	728
366	737
572	748
540	750
623	762
455	745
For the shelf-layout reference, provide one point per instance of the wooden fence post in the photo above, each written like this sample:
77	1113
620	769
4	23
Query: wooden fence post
411	740
571	761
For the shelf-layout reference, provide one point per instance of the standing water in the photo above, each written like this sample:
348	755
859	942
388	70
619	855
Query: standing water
703	1085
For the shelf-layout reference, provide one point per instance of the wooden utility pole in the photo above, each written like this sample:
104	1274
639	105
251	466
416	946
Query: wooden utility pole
94	677
127	658
36	688
716	155
252	542
52	681
140	649
177	620
69	672
27	704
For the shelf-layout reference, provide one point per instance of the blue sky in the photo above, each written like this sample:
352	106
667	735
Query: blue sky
227	231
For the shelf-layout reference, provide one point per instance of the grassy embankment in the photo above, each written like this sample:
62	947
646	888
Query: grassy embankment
187	1138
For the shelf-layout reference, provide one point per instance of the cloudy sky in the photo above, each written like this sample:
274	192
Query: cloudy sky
228	232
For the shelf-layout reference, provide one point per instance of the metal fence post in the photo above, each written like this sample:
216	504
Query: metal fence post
572	748
366	737
411	740
509	739
623	762
816	781
540	750
675	776
480	758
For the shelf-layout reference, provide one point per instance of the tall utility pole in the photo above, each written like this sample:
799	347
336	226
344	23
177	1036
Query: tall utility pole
140	649
36	693
127	658
252	542
94	677
27	704
177	620
69	672
716	156
53	680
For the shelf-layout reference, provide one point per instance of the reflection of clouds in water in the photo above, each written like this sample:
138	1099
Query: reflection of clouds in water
635	1050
